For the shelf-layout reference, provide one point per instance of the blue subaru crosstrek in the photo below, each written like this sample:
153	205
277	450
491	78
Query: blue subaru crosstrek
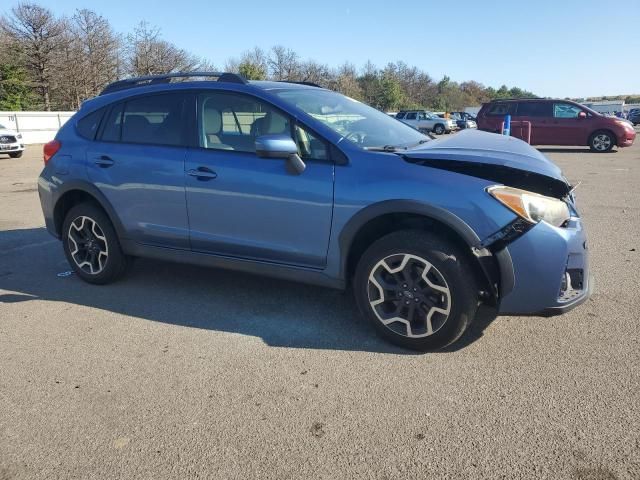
302	183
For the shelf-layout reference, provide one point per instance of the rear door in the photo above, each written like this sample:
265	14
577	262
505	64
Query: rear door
137	162
244	206
539	114
568	126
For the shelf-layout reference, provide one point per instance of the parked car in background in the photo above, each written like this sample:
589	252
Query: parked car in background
634	116
426	121
11	142
559	122
298	182
462	120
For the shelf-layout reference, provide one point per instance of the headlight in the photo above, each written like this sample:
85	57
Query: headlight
532	206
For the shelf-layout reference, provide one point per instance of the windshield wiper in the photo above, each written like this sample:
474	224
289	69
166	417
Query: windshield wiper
393	148
385	148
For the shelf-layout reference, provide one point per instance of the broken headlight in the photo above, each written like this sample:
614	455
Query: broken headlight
532	206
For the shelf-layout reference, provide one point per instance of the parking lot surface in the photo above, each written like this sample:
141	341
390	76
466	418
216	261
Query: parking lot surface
185	372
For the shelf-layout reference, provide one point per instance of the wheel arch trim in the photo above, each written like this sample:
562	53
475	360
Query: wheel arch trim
93	191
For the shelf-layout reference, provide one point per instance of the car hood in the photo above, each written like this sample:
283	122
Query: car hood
494	157
6	131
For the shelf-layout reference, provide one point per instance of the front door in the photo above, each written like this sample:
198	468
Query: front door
244	206
137	162
570	129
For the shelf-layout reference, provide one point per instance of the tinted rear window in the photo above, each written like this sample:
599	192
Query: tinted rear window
157	120
500	109
88	125
534	109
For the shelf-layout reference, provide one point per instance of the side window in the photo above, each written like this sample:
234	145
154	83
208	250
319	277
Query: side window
112	125
88	125
534	109
310	146
155	119
422	116
232	122
565	110
500	109
411	116
400	115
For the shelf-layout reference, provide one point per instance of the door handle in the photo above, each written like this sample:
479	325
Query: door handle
202	173
103	161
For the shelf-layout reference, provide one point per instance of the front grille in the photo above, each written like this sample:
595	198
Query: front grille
7	139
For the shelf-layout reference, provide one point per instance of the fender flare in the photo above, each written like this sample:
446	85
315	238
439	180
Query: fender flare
101	199
371	212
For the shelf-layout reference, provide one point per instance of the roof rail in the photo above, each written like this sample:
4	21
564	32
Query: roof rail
166	78
309	84
516	99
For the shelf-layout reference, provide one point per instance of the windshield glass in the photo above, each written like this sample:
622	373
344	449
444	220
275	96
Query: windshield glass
357	122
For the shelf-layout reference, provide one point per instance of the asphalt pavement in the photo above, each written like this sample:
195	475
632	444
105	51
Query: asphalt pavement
186	372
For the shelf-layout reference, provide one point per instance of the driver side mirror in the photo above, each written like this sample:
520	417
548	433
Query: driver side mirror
582	115
280	146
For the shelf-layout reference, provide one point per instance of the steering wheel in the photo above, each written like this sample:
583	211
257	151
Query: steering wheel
357	136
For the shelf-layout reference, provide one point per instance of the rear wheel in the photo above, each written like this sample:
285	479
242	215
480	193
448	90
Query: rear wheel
15	154
91	245
438	129
601	141
417	290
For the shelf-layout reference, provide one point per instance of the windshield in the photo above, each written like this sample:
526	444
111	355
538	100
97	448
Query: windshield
357	122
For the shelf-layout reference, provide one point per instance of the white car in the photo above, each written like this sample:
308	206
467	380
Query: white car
11	142
427	121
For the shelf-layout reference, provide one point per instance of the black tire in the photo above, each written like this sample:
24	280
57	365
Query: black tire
113	265
453	270
602	141
438	129
15	154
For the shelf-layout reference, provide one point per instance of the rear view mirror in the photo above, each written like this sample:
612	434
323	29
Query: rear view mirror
280	146
582	115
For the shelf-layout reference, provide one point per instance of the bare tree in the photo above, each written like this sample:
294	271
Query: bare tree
98	46
284	64
148	54
37	34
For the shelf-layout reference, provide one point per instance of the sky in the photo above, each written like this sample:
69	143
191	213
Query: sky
560	48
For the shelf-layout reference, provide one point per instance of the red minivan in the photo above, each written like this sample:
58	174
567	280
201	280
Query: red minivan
558	122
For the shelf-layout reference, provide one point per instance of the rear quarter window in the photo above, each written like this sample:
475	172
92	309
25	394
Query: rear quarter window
87	126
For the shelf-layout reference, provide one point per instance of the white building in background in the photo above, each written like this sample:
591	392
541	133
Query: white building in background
35	127
606	106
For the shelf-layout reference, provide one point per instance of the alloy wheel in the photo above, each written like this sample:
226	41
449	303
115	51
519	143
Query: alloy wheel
409	295
601	142
88	245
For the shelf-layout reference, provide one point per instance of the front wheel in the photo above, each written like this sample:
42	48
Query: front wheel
91	245
417	289
438	129
601	142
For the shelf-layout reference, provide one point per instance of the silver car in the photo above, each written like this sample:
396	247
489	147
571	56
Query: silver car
426	121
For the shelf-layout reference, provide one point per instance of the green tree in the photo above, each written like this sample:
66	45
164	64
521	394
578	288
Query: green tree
252	71
16	93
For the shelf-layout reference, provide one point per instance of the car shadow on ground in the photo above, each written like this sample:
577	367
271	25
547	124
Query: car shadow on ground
570	150
281	313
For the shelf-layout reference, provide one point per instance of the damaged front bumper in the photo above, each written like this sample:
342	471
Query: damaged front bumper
544	271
